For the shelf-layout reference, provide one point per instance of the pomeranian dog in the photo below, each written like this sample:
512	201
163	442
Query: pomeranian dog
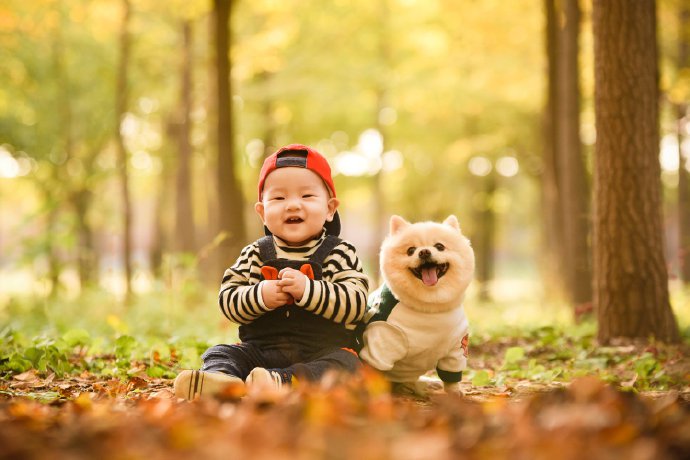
415	322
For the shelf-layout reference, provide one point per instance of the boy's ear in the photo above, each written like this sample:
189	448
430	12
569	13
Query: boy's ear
397	223
452	221
333	204
259	208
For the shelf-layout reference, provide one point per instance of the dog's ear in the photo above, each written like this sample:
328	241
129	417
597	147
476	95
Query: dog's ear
452	221
397	223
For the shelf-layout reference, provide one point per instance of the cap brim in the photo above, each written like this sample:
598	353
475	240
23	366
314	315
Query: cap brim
332	227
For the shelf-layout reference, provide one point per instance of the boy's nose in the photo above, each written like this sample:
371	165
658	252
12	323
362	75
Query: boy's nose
293	204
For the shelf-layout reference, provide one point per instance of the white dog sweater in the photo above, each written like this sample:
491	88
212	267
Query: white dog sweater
405	343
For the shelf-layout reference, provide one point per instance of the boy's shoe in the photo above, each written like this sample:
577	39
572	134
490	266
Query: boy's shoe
263	379
192	384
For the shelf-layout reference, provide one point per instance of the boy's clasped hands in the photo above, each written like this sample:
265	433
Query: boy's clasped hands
289	286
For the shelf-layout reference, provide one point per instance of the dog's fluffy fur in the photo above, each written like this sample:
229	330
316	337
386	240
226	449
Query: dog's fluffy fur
427	266
397	265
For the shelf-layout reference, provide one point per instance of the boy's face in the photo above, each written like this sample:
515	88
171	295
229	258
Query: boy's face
295	204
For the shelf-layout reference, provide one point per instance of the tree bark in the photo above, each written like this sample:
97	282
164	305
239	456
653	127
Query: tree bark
269	137
552	231
230	200
683	160
184	213
81	202
379	216
631	281
484	240
121	99
574	195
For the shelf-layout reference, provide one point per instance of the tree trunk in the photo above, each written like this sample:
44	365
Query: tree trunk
121	97
683	160
631	281
52	232
81	202
267	108
552	231
571	170
231	203
65	143
184	215
484	240
380	216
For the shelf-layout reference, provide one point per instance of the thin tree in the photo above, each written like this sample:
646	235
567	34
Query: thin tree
631	282
184	213
681	108
121	97
564	179
552	231
574	194
230	201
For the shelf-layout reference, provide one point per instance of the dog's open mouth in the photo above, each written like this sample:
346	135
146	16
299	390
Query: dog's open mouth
430	272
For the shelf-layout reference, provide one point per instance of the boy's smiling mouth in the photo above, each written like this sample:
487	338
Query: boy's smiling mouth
294	220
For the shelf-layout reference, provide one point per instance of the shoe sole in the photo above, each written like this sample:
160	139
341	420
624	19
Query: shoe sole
192	384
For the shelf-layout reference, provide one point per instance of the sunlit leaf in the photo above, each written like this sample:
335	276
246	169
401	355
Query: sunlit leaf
75	337
481	378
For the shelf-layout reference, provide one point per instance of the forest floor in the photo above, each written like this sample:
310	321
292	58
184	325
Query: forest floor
543	395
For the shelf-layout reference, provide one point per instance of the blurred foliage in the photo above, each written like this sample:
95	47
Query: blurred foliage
443	82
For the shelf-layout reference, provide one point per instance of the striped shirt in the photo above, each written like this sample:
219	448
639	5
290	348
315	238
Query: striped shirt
340	296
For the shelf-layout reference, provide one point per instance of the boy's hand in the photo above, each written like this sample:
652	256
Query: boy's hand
273	294
292	282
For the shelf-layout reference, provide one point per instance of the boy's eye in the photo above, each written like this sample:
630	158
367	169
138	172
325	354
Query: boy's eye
439	246
307	195
411	250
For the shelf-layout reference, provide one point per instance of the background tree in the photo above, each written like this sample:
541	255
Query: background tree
230	202
681	108
184	213
553	271
121	101
574	196
631	283
564	178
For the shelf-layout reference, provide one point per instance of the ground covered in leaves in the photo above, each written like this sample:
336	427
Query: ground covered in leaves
543	394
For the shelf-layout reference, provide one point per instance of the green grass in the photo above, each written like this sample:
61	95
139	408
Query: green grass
514	337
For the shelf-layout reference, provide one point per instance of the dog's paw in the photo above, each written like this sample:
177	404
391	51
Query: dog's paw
420	388
452	388
410	389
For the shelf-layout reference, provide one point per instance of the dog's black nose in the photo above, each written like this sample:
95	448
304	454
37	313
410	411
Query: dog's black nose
424	254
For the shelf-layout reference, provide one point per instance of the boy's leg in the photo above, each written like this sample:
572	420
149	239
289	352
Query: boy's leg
190	384
222	365
314	367
237	360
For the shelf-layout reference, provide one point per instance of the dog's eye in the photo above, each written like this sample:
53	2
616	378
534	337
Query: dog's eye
411	250
439	246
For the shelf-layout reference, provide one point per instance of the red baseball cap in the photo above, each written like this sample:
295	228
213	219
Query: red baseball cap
301	156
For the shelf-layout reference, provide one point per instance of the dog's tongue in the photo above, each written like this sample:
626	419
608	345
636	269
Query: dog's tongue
429	276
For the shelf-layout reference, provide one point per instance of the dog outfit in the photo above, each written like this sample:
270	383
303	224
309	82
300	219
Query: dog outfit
405	343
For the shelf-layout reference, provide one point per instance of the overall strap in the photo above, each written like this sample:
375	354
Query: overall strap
326	247
267	249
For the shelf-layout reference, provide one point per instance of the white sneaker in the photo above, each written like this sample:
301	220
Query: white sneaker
260	378
192	384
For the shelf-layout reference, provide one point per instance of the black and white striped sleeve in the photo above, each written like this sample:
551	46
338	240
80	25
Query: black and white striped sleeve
341	296
240	292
